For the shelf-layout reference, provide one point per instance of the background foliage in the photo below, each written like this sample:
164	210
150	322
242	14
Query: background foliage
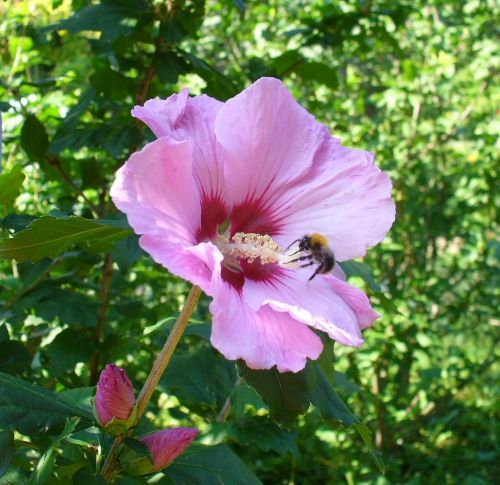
411	81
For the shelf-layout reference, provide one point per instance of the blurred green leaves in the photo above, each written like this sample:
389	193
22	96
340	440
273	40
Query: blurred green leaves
6	450
413	83
11	182
34	139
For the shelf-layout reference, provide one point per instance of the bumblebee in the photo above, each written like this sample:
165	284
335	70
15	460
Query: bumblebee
315	250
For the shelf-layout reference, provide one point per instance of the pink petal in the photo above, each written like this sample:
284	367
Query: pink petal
262	338
183	118
114	395
162	115
157	192
155	188
325	303
349	202
166	445
187	261
356	299
268	140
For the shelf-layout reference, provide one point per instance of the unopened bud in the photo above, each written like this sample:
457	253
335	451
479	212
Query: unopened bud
164	446
114	403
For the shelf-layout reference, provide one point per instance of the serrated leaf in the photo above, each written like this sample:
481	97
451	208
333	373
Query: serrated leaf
210	465
31	409
10	185
287	394
50	236
34	138
6	450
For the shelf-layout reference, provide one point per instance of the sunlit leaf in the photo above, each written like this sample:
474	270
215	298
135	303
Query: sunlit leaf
50	236
10	185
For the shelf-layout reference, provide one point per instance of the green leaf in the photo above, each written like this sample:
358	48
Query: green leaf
138	447
135	459
355	268
10	185
71	120
69	307
168	66
319	72
14	357
261	432
81	396
287	394
218	85
69	348
326	359
31	409
333	408
47	461
327	400
104	17
34	138
199	377
50	236
210	465
286	62
6	450
366	436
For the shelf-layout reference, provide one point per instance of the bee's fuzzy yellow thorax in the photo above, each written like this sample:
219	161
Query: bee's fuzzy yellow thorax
318	240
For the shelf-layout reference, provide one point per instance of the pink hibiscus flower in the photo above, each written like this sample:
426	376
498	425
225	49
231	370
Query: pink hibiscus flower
225	187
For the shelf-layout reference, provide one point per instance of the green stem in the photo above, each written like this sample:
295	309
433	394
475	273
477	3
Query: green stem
159	366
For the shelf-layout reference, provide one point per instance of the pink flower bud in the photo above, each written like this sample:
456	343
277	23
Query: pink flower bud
114	397
166	445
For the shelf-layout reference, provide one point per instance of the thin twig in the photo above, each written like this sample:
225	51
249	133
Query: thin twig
107	272
56	163
226	409
163	358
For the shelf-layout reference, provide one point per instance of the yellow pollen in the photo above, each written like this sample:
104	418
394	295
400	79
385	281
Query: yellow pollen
251	246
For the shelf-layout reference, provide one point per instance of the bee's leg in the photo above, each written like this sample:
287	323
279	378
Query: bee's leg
307	264
318	270
300	258
296	240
